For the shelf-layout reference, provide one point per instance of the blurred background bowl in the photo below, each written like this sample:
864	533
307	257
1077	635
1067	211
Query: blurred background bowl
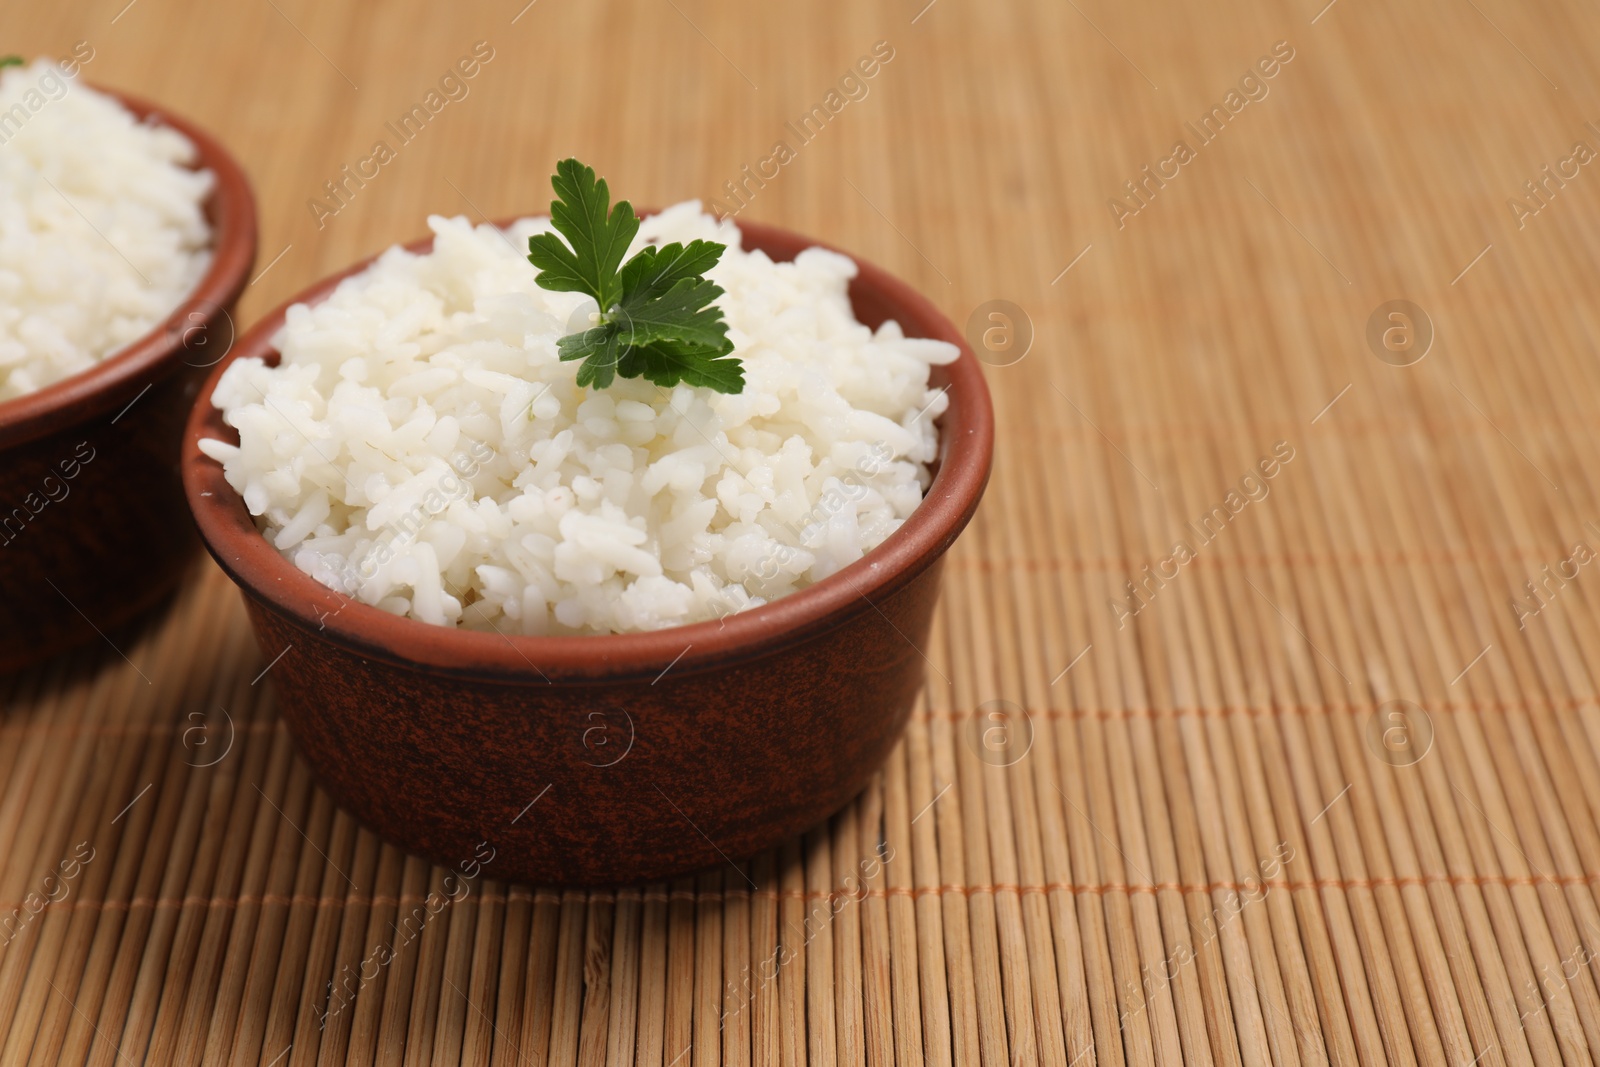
588	760
93	528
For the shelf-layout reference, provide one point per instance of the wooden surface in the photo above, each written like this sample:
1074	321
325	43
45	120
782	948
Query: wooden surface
1216	841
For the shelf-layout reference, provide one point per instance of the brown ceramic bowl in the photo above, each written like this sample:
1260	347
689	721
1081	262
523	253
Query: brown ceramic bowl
92	525
642	755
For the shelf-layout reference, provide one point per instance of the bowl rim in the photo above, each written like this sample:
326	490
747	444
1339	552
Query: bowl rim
96	390
966	445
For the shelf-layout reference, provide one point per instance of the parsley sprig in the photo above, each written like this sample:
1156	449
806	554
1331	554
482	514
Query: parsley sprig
657	320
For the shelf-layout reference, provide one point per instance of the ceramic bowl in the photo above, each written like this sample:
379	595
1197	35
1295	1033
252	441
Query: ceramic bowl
92	521
603	759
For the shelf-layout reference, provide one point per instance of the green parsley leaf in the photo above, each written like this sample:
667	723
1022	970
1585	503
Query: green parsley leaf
12	61
598	349
679	314
668	363
656	269
598	233
657	320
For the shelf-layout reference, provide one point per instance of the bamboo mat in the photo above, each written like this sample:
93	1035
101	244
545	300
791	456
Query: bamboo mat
1322	790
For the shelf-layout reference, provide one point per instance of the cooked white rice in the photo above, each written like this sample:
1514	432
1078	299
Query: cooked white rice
102	232
421	447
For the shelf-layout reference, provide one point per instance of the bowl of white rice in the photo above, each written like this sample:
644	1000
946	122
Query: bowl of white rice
126	235
617	633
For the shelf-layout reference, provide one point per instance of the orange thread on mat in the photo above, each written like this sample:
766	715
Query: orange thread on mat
1355	708
1222	561
1433	427
831	896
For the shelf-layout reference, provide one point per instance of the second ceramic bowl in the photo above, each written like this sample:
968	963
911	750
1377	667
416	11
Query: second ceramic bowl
585	760
92	523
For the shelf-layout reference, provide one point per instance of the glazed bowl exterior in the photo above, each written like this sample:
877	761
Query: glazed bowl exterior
93	527
616	758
